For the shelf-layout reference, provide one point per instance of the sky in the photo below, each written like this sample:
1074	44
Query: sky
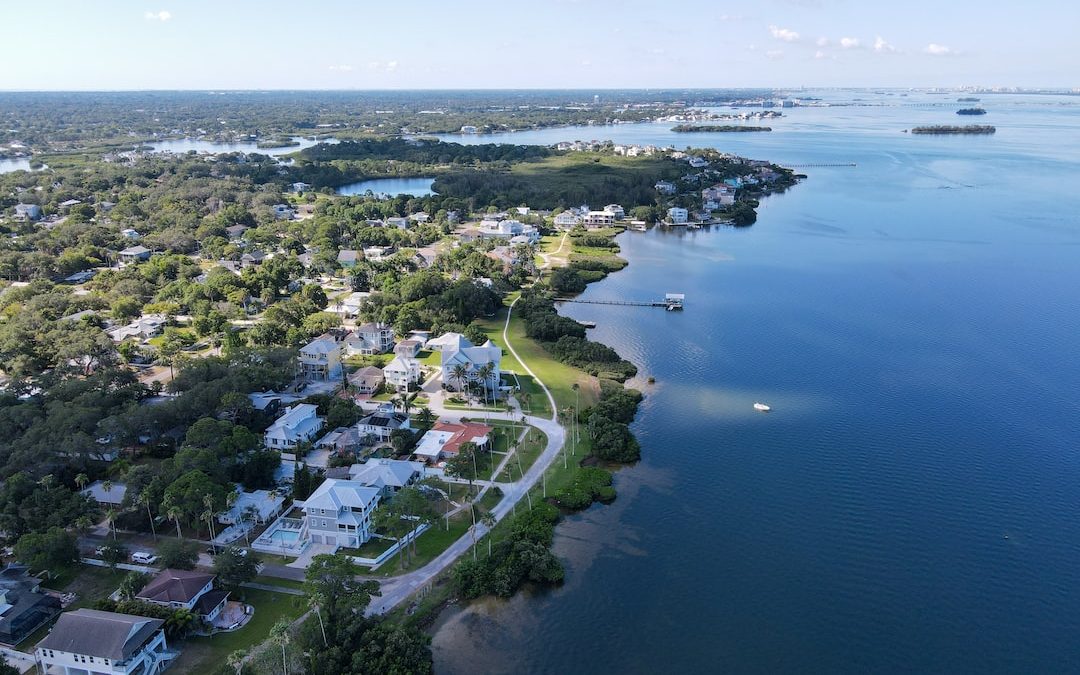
465	44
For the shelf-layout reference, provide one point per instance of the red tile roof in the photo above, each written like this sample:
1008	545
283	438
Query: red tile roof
463	433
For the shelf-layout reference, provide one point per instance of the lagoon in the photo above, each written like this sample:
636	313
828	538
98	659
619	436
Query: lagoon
912	502
182	145
416	187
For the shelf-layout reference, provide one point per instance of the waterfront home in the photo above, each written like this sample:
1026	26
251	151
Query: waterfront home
299	423
367	380
300	187
508	229
93	641
597	219
381	423
114	496
184	589
320	359
409	348
468	129
28	212
25	607
133	254
448	342
567	220
258	505
338	513
720	194
143	328
402	372
444	440
473	359
616	210
282	211
677	215
347	258
370	338
386	475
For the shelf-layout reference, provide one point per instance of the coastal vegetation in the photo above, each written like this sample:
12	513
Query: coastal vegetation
971	111
716	128
976	129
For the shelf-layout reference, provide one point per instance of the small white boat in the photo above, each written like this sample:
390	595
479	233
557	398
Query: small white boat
761	407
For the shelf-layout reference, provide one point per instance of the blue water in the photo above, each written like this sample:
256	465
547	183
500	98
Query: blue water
14	164
912	503
417	187
182	145
284	536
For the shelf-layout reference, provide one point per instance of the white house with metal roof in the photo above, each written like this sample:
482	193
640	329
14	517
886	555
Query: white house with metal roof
299	423
93	641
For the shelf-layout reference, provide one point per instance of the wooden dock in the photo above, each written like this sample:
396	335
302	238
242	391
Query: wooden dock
671	302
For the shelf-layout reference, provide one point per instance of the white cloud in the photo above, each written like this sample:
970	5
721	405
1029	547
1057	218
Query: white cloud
391	66
850	43
934	49
379	66
883	47
343	68
819	54
658	50
775	54
784	34
163	15
823	42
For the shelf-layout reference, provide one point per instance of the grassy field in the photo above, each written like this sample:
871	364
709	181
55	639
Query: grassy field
202	654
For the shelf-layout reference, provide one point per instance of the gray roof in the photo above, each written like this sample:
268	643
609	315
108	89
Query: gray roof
107	635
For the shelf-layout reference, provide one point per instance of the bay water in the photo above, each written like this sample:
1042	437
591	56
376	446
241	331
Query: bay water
912	502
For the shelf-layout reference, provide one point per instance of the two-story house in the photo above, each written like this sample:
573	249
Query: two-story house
472	359
299	423
93	641
338	513
382	423
388	475
402	372
370	338
320	359
184	589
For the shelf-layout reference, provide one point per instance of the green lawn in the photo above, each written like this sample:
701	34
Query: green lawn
372	549
283	583
429	545
202	654
89	582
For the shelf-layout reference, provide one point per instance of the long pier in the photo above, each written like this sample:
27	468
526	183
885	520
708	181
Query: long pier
811	166
672	304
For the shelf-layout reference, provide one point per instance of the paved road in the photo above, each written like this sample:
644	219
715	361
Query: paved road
397	589
272	588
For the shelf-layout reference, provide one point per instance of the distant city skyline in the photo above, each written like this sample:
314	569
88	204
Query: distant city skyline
562	44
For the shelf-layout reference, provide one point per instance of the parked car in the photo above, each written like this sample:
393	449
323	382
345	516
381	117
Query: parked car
143	558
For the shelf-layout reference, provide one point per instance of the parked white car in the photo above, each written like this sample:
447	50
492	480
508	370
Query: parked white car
143	558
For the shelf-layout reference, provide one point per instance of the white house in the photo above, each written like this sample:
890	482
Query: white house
398	222
370	338
93	641
28	212
595	219
257	505
367	380
133	254
472	359
184	589
338	513
665	188
401	372
699	162
299	423
143	328
615	210
129	233
677	215
388	475
113	496
382	423
320	359
508	229
300	187
448	342
282	211
567	220
445	439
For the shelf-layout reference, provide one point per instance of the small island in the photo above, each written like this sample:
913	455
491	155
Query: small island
270	143
968	99
946	129
702	128
971	111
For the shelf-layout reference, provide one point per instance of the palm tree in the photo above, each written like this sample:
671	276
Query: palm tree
489	521
407	401
313	601
107	486
174	512
236	660
47	481
484	372
81	480
279	633
208	502
577	406
250	513
144	499
111	516
472	512
460	373
426	417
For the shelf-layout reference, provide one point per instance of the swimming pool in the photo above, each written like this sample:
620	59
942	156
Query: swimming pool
288	537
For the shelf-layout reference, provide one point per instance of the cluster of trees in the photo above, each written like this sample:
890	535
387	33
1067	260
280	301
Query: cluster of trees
590	484
607	423
428	300
523	555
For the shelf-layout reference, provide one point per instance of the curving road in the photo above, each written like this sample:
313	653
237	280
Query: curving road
397	589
